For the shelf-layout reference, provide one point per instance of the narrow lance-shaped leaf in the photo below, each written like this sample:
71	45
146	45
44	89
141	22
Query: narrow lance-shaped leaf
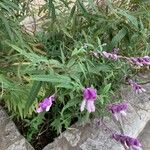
69	104
8	28
33	94
51	9
54	78
118	37
130	18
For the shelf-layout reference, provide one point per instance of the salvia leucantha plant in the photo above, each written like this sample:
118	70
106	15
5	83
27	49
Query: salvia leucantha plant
75	64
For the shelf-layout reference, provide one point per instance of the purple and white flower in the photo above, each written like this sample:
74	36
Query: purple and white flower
140	61
45	104
146	60
118	110
136	61
115	50
128	142
136	87
110	55
89	96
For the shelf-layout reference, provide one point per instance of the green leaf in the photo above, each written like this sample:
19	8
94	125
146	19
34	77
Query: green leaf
78	51
69	104
82	8
5	82
66	86
54	78
8	28
4	7
92	4
66	32
130	18
101	100
33	94
97	68
31	56
118	37
11	5
62	56
72	11
51	9
65	3
106	89
83	69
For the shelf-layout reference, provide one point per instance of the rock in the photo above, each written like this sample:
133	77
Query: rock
10	138
86	138
139	112
33	23
3	117
89	137
145	137
20	145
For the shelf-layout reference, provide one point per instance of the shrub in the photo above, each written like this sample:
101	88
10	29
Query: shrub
61	59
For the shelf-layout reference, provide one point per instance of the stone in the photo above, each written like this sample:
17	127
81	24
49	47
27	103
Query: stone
90	137
3	117
20	145
73	137
139	112
10	138
145	137
33	23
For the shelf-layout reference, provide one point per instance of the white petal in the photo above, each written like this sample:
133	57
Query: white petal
137	148
137	91
48	108
82	105
140	91
143	90
123	113
90	106
38	110
116	116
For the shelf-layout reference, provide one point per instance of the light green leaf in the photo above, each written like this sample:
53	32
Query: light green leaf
106	89
33	94
118	37
69	104
54	78
129	17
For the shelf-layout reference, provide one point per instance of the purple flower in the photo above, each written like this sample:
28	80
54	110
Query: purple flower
115	50
146	60
110	55
45	104
89	96
136	61
136	87
140	61
128	142
118	110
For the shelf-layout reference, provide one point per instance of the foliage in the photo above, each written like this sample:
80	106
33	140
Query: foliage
59	59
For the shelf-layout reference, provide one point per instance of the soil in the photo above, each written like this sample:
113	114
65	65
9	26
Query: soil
44	135
39	140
